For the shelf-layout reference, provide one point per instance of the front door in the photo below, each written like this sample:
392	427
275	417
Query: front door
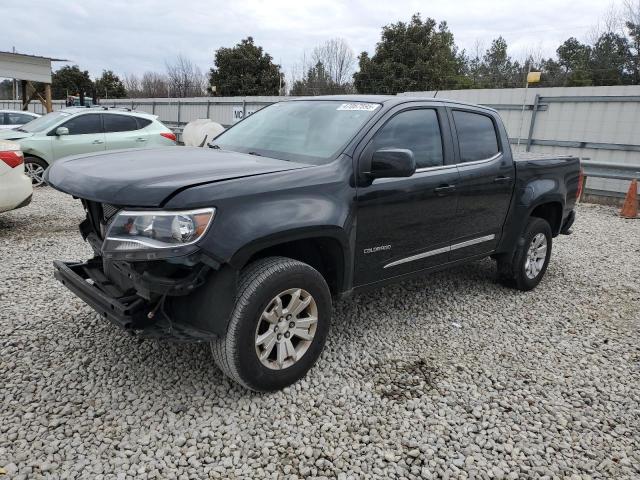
85	136
486	183
405	224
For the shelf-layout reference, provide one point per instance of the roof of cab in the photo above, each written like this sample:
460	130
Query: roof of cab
390	100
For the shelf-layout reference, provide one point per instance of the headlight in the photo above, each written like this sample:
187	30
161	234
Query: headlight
134	231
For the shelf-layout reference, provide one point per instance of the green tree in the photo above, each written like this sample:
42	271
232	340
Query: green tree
245	70
317	81
109	85
634	51
418	55
497	69
553	74
6	89
609	60
71	81
574	57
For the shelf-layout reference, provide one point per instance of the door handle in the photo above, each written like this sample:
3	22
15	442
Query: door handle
502	180
98	142
141	139
443	190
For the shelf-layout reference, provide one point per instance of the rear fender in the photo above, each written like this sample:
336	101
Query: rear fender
526	200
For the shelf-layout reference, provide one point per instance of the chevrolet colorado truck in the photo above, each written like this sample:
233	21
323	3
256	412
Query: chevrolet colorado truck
245	244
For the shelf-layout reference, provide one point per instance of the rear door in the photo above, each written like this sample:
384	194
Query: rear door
486	181
125	131
405	224
85	136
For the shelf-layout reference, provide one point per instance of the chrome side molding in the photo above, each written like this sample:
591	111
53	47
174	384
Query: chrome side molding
438	251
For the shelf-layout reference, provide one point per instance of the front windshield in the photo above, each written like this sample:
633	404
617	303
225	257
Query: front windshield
307	131
43	123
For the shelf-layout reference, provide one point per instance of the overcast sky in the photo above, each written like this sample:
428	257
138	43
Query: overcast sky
132	36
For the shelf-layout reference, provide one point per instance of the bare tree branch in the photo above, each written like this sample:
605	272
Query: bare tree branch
184	78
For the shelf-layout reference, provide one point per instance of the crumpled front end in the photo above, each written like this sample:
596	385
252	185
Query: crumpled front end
151	294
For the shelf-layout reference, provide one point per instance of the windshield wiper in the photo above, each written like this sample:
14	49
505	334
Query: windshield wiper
254	153
214	146
18	129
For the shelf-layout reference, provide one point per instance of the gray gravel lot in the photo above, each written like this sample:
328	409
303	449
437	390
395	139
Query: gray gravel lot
447	376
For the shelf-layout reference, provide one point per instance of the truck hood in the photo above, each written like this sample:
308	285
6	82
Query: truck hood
13	135
147	177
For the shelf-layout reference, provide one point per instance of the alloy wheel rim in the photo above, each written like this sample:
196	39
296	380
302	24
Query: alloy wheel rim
536	256
286	329
35	173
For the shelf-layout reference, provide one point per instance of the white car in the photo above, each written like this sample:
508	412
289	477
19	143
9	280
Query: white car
15	118
15	186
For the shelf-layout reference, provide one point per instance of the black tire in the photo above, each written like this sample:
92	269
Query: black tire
36	162
512	271
260	282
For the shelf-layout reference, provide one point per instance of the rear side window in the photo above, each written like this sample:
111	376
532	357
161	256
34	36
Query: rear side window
142	122
84	124
416	130
119	123
476	136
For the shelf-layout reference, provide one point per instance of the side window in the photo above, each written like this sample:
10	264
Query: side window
142	122
119	123
2	119
417	130
477	136
83	124
17	118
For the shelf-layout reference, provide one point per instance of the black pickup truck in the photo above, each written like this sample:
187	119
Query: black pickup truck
245	243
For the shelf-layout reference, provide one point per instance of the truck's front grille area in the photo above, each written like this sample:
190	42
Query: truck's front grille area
108	211
99	214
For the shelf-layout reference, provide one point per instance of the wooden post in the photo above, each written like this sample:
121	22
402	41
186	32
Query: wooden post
23	94
47	98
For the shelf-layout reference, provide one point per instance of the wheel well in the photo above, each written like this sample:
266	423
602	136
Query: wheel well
325	254
552	213
27	155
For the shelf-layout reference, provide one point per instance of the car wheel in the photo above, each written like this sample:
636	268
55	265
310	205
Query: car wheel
34	168
527	267
278	327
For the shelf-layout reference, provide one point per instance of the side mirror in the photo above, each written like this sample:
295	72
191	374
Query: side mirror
392	162
62	131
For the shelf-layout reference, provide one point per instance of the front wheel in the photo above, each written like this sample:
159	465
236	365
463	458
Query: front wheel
34	168
526	268
278	327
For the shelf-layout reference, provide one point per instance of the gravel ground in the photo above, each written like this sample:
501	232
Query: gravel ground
449	376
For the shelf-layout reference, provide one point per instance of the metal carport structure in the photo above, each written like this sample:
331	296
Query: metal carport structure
27	69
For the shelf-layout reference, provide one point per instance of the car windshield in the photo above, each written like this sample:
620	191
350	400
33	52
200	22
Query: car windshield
44	122
312	131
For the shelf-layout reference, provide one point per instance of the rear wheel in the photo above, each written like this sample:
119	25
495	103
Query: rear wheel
278	327
34	167
527	267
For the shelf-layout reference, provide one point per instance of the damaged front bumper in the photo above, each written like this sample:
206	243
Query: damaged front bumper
153	317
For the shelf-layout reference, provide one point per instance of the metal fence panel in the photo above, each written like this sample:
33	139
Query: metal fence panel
597	123
601	124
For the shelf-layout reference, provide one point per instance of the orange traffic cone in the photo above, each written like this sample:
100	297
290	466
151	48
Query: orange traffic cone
630	207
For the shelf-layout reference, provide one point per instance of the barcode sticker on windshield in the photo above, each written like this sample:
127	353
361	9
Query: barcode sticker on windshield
363	107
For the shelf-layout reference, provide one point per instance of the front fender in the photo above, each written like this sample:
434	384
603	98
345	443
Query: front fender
257	212
242	255
37	147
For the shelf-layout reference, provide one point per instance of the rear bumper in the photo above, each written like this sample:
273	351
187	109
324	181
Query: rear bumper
129	312
16	191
